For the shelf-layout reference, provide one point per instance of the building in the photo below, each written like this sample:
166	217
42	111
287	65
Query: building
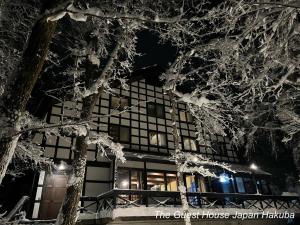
148	177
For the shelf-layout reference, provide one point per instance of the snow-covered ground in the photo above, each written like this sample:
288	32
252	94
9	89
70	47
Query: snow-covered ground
204	213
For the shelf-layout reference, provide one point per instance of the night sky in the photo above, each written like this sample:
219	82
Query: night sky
153	52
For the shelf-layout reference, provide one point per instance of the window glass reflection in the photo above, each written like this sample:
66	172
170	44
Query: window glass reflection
119	102
136	179
185	116
123	179
119	133
240	185
249	185
129	178
155	181
189	144
171	182
182	116
157	138
124	134
156	110
160	111
191	183
202	182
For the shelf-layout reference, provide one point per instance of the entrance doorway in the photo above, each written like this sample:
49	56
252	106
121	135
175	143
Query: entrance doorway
54	190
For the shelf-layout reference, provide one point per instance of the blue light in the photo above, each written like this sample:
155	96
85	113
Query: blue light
223	178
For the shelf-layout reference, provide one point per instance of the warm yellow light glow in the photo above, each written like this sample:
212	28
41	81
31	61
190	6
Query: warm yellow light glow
124	183
61	166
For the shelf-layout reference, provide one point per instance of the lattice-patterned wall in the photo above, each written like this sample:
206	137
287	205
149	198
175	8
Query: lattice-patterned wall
139	125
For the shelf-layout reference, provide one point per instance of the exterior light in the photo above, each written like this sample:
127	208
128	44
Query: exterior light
124	183
253	166
61	166
223	178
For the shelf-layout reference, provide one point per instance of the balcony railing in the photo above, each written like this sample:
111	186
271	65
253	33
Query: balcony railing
120	198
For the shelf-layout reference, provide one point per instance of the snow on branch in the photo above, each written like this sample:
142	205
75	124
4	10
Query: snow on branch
16	20
196	163
28	156
242	72
82	14
291	121
104	141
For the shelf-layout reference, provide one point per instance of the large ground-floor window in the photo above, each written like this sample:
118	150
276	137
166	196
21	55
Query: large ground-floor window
156	180
196	183
263	186
161	181
130	179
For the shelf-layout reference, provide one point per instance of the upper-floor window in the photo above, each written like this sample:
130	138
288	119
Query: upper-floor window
119	133
156	138
154	109
189	144
185	116
119	102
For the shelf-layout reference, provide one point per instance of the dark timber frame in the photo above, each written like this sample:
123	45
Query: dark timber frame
121	199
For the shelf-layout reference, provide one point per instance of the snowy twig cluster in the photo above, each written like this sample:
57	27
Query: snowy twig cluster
103	141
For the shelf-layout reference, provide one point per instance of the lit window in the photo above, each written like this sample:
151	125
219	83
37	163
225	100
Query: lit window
136	179
185	116
171	182
191	183
157	138
156	181
119	102
156	110
189	144
119	133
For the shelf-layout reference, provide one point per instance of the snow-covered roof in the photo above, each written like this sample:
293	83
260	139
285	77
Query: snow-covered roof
246	169
239	168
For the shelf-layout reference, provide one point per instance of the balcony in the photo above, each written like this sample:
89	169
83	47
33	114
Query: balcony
124	203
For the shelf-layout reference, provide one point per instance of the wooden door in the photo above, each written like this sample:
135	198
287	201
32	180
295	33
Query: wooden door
54	190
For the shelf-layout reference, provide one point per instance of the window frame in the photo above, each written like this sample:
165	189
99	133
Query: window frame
186	115
156	105
249	184
119	132
120	107
157	133
190	139
130	171
241	181
165	176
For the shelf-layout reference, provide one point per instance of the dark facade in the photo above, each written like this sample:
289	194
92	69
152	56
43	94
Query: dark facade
145	131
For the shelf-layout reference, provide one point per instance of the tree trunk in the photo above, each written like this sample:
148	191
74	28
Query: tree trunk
18	91
68	211
178	160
